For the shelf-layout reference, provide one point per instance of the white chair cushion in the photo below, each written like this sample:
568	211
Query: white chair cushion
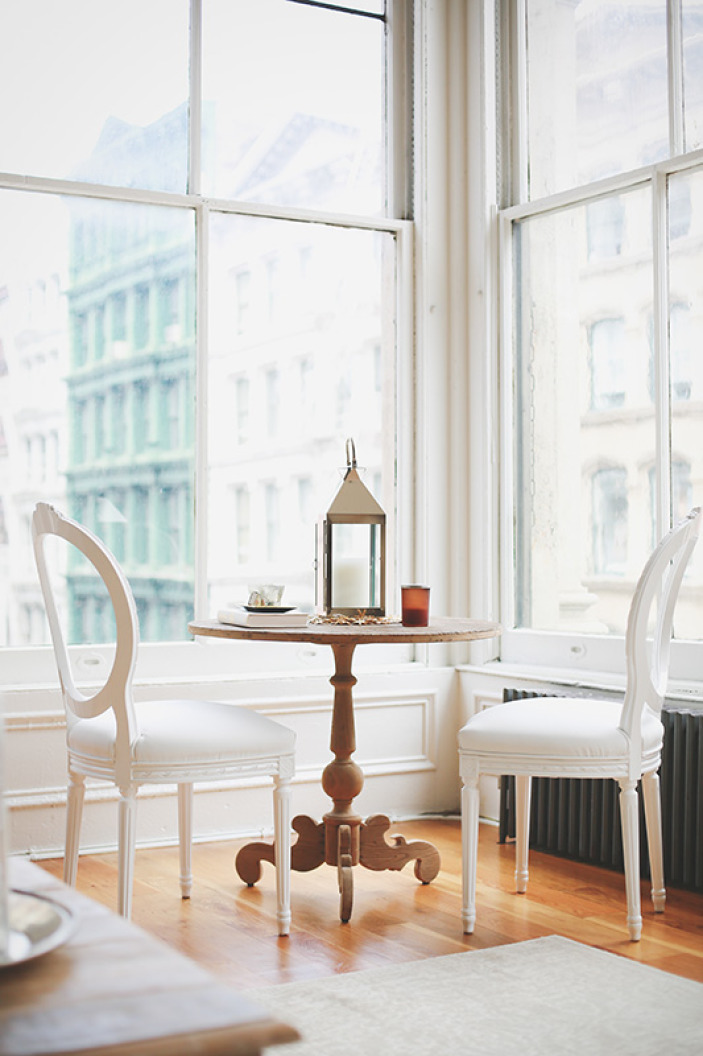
186	731
565	727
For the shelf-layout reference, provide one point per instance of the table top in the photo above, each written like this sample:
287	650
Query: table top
113	990
440	629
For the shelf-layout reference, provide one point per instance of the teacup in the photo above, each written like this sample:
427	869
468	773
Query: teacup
266	595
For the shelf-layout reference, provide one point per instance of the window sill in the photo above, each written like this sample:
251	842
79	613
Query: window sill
535	676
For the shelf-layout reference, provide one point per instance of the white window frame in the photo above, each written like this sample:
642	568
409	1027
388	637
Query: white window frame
587	659
188	660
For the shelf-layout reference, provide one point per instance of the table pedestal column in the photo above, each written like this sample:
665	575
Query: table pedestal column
342	838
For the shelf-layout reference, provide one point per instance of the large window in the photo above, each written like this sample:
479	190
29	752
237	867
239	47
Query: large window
602	319
200	276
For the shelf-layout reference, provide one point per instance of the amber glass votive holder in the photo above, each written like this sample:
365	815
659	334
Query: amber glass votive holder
415	605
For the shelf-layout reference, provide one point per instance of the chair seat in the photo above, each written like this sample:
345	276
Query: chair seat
186	731
563	727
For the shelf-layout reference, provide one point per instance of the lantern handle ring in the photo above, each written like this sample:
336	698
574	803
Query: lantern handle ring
351	458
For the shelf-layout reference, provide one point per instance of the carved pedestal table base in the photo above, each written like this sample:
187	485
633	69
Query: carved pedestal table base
342	838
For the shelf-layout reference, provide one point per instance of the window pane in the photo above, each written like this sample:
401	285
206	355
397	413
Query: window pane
295	125
585	427
287	390
686	340
97	401
99	91
597	89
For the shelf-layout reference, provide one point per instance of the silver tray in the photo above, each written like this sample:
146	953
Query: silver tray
37	925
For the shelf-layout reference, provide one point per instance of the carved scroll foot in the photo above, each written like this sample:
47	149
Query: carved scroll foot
249	859
307	852
345	876
377	854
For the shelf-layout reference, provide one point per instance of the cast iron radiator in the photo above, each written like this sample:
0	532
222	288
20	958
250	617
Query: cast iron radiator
580	817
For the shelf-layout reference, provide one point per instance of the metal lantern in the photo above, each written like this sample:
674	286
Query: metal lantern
351	549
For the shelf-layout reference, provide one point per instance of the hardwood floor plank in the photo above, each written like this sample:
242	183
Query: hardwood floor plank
231	929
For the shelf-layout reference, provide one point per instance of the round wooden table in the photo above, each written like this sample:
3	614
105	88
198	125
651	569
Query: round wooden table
342	838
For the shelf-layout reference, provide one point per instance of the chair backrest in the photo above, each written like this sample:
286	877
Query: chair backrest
116	691
647	655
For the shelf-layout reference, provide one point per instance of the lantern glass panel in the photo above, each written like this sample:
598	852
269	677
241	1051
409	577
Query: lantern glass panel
356	566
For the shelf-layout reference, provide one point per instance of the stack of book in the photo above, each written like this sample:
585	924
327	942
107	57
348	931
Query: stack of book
263	616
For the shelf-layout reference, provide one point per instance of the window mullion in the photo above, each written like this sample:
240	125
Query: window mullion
202	271
399	53
676	77
518	133
196	95
508	527
661	353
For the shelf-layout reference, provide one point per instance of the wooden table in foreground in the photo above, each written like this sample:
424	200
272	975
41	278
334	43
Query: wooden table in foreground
113	990
342	838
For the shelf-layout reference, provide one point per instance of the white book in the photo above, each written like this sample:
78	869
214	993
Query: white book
262	617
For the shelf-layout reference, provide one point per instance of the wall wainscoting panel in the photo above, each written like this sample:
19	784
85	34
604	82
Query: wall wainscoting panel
405	731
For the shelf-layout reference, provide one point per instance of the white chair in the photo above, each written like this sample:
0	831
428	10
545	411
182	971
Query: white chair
585	737
111	737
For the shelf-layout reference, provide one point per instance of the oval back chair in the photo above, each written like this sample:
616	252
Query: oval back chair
112	737
586	737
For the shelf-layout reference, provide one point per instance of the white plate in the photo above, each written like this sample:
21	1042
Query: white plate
37	925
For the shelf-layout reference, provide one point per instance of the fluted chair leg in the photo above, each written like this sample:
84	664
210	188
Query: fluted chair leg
653	819
185	837
523	797
127	836
282	851
629	819
74	812
469	851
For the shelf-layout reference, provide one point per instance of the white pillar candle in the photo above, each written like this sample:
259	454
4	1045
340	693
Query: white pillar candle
350	583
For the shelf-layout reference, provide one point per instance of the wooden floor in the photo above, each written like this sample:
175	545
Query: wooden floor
230	929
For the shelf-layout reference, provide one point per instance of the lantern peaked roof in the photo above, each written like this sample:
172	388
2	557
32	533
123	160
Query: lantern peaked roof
354	497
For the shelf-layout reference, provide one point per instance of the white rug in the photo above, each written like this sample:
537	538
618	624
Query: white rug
545	997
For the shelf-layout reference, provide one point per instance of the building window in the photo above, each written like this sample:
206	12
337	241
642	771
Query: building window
682	355
272	522
170	309
609	522
141	316
99	426
172	431
141	423
242	517
141	526
605	226
681	490
242	287
273	288
80	340
272	402
119	317
306	512
679	206
118	421
241	406
608	364
99	331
